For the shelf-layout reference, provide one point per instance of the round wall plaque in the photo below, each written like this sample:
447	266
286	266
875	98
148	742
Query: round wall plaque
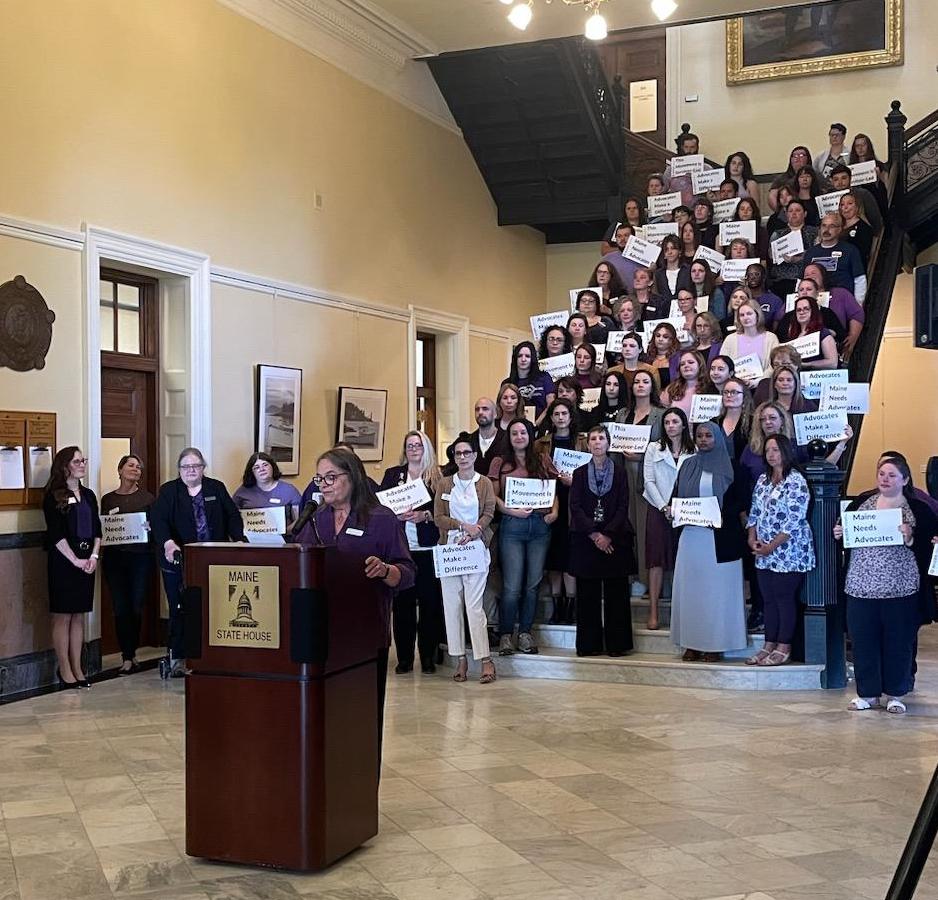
25	326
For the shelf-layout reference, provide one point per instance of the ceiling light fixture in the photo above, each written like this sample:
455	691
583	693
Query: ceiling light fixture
596	27
663	8
521	15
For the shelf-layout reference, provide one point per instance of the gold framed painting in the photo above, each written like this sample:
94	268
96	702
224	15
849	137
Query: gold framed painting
814	39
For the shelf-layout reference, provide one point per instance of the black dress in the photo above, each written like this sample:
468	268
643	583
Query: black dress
70	589
558	552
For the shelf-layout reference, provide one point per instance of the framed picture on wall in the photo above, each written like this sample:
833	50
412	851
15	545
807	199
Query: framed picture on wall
361	417
814	39
279	394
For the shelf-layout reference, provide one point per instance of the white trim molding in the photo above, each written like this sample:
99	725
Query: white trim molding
363	41
41	233
112	247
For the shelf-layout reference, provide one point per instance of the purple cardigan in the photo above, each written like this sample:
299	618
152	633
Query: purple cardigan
380	536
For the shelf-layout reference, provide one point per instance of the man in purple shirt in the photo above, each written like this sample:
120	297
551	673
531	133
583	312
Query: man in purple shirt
773	306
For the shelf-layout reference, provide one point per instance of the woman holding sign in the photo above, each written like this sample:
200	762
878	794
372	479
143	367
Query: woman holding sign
261	488
707	610
671	273
601	554
703	283
751	338
127	566
463	509
555	341
808	321
886	585
613	399
524	534
535	387
608	283
663	459
691	379
73	537
584	366
781	541
663	345
417	464
597	326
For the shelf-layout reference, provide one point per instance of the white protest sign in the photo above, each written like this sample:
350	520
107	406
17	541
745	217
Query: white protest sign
590	398
663	204
540	324
686	165
735	269
558	366
677	322
853	399
724	210
404	497
656	233
933	565
813	383
576	293
643	252
824	426
823	299
530	413
125	528
731	230
529	493
863	173
791	244
701	304
628	438
265	520
829	203
452	560
749	369
565	461
600	353
704	407
713	258
808	345
872	528
614	341
701	511
709	180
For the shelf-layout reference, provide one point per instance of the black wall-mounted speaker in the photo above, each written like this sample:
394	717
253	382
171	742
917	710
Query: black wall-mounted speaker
926	306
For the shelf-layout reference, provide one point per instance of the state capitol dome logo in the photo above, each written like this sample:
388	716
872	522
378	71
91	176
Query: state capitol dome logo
245	617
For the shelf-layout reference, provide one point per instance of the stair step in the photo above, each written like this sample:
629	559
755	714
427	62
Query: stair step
653	669
545	608
657	643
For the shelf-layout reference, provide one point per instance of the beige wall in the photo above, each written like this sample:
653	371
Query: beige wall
800	110
568	266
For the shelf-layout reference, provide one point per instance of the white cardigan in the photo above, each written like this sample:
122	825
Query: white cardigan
660	472
730	348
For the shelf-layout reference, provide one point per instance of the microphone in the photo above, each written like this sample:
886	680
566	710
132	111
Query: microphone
308	511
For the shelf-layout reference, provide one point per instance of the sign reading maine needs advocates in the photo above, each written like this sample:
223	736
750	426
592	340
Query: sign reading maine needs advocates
124	528
872	528
244	606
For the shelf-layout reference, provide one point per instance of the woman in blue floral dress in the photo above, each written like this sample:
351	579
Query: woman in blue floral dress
781	540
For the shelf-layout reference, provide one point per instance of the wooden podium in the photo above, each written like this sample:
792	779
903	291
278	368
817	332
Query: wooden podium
281	705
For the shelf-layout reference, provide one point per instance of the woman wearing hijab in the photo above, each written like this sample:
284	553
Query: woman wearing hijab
708	615
601	554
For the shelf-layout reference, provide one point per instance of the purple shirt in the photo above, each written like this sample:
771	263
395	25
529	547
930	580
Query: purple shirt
282	494
534	390
380	536
844	305
773	308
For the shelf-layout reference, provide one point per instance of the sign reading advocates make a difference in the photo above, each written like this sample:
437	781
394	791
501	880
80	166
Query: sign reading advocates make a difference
404	497
450	560
529	493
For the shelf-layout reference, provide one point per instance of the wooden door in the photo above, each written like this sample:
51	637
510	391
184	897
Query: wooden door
129	417
639	56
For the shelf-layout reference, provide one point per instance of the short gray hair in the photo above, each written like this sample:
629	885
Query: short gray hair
190	451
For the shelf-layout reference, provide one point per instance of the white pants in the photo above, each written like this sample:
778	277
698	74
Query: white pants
460	591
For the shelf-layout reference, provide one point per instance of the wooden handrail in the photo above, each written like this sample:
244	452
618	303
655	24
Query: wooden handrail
922	125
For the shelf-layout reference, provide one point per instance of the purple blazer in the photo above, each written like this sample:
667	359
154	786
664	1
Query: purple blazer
380	536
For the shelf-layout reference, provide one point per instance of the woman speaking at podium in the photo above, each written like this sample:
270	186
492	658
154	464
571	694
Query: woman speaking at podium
353	521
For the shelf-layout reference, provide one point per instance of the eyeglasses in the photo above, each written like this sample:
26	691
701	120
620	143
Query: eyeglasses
79	462
413	446
328	479
732	393
462	453
555	339
192	467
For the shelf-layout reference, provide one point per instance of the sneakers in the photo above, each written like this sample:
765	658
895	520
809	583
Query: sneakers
505	647
526	643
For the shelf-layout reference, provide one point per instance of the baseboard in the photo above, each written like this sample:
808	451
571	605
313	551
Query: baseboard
33	673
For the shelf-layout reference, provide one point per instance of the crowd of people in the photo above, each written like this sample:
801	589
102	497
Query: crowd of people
710	369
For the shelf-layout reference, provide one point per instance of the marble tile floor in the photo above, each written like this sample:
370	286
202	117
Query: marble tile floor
554	790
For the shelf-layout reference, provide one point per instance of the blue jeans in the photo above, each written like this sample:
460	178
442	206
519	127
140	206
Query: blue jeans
522	544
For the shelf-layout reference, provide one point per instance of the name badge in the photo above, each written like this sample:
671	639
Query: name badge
114	511
209	499
446	497
837	253
274	499
355	532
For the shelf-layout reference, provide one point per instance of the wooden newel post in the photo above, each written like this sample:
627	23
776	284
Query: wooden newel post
824	613
895	129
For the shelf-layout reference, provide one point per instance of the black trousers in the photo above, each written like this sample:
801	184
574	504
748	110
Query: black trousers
756	603
418	613
780	597
382	672
127	574
604	611
884	635
172	584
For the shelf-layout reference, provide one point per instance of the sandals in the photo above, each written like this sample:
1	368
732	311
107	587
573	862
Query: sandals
776	658
858	704
895	706
490	676
462	668
757	658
